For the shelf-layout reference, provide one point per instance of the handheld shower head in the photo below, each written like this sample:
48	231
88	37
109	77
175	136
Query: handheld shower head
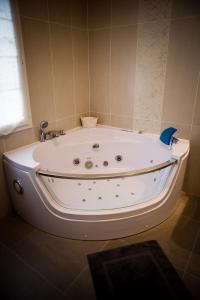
43	124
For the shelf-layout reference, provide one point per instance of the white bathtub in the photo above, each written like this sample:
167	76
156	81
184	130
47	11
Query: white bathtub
96	183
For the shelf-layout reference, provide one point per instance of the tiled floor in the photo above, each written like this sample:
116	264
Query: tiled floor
36	265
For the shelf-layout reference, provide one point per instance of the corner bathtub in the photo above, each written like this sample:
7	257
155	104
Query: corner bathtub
96	183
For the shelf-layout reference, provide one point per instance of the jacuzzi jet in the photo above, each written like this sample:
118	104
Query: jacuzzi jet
118	158
118	184
100	198
105	163
132	193
83	200
116	196
76	161
154	180
89	189
79	183
95	146
94	182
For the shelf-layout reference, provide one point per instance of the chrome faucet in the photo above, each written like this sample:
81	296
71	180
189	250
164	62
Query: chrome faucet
50	134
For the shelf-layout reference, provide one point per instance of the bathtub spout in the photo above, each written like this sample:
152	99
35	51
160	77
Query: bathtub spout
167	137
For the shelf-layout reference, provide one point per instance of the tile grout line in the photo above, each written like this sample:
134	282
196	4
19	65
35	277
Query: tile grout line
165	71
195	102
135	73
31	267
195	99
145	22
52	64
190	254
73	69
107	27
110	65
82	271
89	74
52	22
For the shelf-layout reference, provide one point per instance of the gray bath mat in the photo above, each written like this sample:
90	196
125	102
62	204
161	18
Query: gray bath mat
136	271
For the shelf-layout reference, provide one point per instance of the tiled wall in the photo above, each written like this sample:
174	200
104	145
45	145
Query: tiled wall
55	39
145	69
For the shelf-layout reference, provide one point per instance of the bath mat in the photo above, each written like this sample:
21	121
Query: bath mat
136	271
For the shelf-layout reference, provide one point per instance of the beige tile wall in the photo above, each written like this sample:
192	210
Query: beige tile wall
55	38
145	69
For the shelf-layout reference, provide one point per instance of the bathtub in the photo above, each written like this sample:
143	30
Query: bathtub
96	183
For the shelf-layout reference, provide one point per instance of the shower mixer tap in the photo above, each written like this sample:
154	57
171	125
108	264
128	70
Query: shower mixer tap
44	136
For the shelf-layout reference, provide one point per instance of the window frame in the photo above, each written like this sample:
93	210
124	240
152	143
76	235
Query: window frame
23	72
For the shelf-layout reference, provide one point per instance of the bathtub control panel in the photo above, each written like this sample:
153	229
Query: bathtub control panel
18	186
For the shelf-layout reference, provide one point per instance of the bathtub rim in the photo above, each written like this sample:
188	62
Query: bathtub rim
28	163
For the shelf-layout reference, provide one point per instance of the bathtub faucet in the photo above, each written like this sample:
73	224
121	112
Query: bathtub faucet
167	137
50	134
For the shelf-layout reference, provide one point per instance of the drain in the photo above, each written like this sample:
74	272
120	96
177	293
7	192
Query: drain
118	158
105	163
88	164
76	161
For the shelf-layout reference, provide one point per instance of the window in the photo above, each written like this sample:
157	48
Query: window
14	100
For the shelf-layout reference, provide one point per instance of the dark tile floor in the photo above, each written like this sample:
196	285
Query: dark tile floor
37	265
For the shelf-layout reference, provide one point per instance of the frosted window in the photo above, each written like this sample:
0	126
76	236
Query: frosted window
13	98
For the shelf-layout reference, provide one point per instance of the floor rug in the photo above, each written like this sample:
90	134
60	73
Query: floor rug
136	271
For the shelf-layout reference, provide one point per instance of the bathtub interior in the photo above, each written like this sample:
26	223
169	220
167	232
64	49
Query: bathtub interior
102	151
100	156
105	194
